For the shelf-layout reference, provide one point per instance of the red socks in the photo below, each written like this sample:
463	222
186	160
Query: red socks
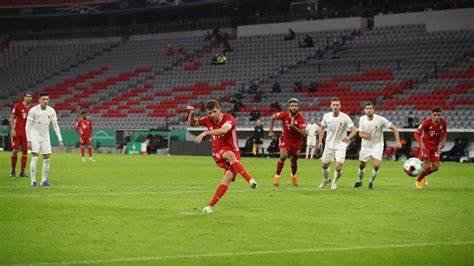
220	191
82	151
14	159
24	160
425	173
241	170
294	168
89	150
280	165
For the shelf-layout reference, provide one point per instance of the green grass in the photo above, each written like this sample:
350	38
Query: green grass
146	210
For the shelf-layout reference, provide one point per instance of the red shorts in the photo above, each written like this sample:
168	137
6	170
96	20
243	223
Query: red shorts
85	141
222	163
293	150
19	142
430	153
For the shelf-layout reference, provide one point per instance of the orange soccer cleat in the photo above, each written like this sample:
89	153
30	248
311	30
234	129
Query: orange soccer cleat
294	180
276	181
420	184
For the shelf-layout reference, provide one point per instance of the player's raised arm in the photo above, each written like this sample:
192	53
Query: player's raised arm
192	121
396	134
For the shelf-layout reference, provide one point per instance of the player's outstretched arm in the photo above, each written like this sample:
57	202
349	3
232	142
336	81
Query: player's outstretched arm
192	121
216	132
396	134
271	134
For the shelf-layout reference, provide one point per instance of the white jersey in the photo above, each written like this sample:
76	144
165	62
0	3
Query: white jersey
337	127
312	129
38	121
375	127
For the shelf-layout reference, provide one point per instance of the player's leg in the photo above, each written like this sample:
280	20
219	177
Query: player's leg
35	150
239	168
340	155
375	171
89	151
360	173
83	148
220	191
14	157
45	170
326	158
308	148
312	150
24	156
294	168
280	164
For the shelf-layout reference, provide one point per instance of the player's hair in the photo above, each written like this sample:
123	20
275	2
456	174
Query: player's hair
436	110
293	100
43	94
335	99
27	93
83	112
368	103
211	104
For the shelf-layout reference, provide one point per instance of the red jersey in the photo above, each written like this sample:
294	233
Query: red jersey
227	141
20	113
84	126
289	135
431	133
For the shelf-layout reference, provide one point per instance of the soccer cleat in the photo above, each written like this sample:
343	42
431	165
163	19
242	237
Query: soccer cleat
276	181
334	185
207	210
425	183
83	159
371	185
294	180
419	184
324	183
45	184
12	174
23	175
253	183
358	184
91	159
34	184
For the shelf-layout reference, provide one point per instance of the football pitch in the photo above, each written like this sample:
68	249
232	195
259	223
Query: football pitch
146	210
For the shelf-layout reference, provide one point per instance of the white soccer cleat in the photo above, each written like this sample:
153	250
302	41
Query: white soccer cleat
334	185
83	159
324	183
207	210
91	159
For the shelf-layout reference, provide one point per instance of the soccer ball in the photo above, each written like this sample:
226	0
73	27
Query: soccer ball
413	166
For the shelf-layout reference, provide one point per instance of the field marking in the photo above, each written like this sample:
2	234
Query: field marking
210	190
250	253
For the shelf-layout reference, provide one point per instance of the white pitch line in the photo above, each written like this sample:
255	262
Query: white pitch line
250	253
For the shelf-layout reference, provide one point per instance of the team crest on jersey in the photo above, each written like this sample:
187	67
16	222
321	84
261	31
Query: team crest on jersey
432	133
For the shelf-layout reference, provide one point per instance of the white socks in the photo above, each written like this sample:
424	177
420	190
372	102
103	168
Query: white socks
325	174
45	170
307	151
361	173
33	163
373	176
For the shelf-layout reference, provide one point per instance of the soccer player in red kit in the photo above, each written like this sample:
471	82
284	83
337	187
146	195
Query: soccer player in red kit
225	150
18	124
294	131
431	135
84	130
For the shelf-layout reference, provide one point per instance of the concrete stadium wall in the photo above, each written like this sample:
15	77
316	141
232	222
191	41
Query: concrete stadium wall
302	26
437	19
447	24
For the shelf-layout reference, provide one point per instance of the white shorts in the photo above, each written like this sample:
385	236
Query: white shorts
330	154
375	153
41	146
311	141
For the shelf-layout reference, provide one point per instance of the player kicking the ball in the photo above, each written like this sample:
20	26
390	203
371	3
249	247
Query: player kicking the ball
337	124
431	135
37	133
225	150
294	130
371	127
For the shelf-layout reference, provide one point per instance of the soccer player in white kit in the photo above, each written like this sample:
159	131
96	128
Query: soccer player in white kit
311	131
37	132
337	124
371	127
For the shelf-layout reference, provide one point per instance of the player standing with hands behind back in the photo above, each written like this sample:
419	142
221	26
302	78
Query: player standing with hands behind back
37	133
